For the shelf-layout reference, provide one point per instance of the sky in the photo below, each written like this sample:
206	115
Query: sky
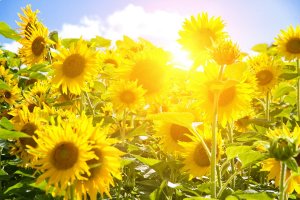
248	22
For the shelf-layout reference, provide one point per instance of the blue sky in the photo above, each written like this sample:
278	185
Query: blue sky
247	21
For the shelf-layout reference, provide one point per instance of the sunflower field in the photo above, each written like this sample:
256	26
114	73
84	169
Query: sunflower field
96	119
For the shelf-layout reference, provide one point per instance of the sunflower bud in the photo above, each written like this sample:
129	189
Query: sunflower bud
282	148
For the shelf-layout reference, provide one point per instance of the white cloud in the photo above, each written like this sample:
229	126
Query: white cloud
13	46
159	27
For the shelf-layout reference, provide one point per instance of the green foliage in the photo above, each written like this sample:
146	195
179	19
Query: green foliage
7	32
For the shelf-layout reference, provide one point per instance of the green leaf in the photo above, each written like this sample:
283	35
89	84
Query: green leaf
291	163
38	67
234	151
126	161
37	75
54	36
260	47
23	174
198	198
5	123
140	130
251	157
3	85
282	90
255	196
147	161
100	42
68	41
156	194
180	118
288	76
16	186
8	32
231	198
6	134
3	173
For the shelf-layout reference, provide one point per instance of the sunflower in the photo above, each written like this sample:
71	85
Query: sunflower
62	153
102	169
272	165
26	122
266	70
34	49
11	96
150	69
28	21
200	33
196	161
6	76
128	47
288	43
40	92
126	95
235	95
170	135
74	67
225	52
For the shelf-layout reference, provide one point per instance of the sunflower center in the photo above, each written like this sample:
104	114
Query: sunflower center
29	129
264	77
243	122
178	133
150	74
293	45
31	107
73	65
226	96
65	155
7	94
127	97
38	46
111	61
200	156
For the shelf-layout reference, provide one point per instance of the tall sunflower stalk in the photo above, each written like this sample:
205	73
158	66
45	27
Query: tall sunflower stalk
298	90
213	159
282	194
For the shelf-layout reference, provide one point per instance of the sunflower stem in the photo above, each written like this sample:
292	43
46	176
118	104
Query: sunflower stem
123	126
230	130
282	181
298	90
213	159
268	106
89	103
